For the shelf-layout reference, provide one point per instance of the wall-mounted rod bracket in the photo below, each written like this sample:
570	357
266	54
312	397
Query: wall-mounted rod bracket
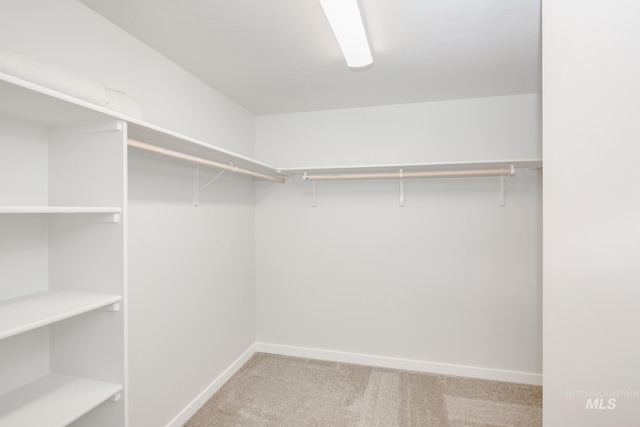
504	182
313	189
211	181
196	184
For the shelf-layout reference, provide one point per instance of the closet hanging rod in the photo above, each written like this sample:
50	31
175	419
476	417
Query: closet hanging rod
198	160
433	174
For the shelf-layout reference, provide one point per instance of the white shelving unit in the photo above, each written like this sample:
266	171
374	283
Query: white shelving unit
63	269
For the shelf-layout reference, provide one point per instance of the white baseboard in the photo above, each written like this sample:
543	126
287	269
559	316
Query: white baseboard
405	364
197	403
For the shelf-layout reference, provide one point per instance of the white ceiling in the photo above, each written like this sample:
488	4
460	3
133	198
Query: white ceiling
274	56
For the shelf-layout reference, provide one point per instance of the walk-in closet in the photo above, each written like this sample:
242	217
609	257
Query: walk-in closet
210	214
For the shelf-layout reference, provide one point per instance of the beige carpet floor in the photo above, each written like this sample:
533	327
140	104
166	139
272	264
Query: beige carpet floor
271	390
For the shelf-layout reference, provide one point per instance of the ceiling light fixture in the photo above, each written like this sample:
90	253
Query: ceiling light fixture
346	23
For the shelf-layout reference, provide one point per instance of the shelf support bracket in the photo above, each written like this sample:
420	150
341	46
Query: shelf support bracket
116	397
112	307
196	184
401	173
504	182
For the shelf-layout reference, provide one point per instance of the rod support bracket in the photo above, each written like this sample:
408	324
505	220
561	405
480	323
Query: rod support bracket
196	184
306	178
504	182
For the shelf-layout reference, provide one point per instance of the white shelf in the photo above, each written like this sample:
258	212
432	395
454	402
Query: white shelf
34	103
167	139
69	212
58	210
53	401
27	101
416	167
22	314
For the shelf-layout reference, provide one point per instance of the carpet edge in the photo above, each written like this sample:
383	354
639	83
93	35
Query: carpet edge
404	364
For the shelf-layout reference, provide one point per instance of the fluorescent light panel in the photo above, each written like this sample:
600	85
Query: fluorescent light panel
346	23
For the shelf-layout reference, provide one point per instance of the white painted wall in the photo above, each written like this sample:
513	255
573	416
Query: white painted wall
191	285
409	133
191	295
591	211
451	278
70	36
